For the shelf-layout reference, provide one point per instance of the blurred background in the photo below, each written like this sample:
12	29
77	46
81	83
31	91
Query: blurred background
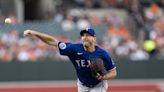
132	31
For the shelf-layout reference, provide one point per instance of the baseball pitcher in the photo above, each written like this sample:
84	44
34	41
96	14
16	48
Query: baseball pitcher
93	65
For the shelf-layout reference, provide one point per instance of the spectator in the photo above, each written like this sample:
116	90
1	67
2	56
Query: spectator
68	23
83	23
153	12
139	55
150	47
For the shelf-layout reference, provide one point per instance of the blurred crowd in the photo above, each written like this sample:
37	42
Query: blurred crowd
137	36
15	47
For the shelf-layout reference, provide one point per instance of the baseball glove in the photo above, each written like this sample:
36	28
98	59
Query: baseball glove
97	66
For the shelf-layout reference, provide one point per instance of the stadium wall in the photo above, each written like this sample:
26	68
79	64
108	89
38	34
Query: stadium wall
54	70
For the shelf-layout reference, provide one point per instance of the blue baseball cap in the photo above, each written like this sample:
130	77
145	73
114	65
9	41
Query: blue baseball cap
88	30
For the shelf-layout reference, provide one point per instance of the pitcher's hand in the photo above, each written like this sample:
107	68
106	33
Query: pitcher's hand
28	33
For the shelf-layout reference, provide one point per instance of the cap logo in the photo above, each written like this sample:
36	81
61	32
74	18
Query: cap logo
86	29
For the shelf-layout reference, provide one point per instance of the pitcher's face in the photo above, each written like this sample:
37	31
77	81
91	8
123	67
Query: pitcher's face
88	40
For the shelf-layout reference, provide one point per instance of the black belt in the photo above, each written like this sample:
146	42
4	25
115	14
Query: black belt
90	86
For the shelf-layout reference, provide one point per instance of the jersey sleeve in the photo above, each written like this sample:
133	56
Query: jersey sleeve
65	48
108	62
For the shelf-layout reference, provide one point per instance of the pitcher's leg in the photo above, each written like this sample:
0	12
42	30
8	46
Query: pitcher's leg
101	87
82	88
